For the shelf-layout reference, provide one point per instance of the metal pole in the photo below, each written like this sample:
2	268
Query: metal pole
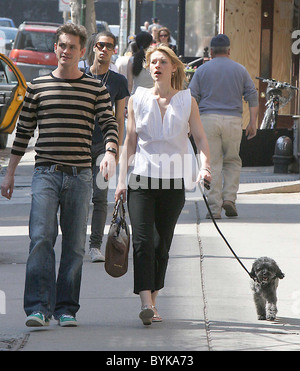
83	12
132	16
138	16
154	9
181	27
123	26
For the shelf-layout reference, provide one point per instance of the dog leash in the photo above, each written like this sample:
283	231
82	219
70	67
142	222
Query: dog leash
207	186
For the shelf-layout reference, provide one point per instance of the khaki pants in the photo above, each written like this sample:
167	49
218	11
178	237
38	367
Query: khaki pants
224	134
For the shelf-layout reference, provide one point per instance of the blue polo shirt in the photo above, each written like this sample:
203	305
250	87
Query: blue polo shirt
220	85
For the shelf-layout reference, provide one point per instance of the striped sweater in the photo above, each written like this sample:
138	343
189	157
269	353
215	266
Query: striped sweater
64	112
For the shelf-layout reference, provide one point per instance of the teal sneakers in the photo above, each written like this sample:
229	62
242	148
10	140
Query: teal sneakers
66	320
37	319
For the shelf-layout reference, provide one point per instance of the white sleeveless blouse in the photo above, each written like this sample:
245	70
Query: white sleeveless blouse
161	143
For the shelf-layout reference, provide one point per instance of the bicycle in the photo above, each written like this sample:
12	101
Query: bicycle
278	94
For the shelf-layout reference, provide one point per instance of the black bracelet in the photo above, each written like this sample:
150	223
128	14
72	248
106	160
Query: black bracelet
112	150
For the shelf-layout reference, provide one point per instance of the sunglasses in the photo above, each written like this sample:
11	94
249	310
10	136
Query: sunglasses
163	35
101	45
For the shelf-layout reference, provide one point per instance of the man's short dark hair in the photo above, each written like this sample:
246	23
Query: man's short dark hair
107	34
217	50
72	29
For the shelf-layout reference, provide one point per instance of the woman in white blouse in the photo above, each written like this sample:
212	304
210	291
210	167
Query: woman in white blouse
159	122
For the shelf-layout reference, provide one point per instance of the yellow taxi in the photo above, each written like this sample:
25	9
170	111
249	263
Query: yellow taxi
12	92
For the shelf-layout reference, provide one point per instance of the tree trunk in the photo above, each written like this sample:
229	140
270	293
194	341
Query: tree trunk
75	6
90	18
83	12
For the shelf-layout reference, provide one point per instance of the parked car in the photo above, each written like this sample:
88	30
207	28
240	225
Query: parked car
33	50
115	29
12	92
7	37
102	26
7	22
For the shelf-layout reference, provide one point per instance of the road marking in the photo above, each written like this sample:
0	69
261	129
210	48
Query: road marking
18	231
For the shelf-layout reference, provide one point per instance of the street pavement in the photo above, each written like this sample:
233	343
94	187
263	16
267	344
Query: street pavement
207	302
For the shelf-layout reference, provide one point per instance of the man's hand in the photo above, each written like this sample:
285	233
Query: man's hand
251	130
108	165
7	186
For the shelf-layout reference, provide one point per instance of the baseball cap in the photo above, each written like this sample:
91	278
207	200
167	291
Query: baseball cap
130	38
220	40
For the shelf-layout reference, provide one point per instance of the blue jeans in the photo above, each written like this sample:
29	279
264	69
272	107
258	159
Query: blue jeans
53	190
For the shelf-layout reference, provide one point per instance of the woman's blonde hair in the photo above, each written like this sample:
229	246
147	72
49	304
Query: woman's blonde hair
179	77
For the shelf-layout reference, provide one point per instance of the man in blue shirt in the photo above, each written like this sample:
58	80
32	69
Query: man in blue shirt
219	86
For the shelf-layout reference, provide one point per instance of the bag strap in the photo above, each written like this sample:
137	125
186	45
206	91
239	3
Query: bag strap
119	208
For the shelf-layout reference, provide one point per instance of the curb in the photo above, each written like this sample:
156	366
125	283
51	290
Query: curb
203	287
290	187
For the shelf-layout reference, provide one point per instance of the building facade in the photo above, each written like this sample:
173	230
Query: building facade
265	38
264	34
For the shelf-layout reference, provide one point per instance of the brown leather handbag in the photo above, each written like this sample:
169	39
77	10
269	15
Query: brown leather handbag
118	242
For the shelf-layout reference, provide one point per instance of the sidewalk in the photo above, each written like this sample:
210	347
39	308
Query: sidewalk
207	302
108	317
268	225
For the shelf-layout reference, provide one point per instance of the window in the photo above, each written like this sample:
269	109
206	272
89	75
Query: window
202	23
37	41
7	76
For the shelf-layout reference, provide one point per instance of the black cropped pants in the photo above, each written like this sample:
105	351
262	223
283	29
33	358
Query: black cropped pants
154	206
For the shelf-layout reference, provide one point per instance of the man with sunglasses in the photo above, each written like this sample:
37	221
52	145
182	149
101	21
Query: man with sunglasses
117	87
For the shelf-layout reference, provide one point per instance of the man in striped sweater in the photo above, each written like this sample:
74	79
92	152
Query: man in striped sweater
63	106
